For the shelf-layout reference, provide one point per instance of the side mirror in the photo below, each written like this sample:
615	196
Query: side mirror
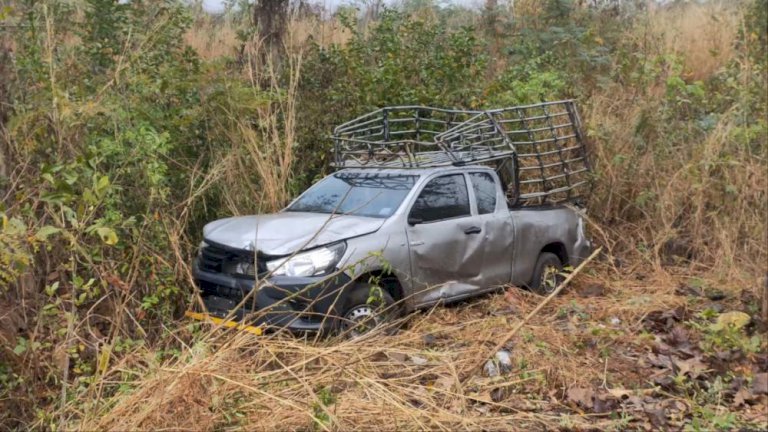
413	220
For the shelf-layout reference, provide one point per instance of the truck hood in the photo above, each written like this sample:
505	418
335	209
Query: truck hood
286	232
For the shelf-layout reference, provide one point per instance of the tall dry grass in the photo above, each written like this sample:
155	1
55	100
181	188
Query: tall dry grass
214	38
701	35
673	194
257	170
680	202
408	381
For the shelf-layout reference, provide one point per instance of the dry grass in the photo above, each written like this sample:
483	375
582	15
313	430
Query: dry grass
323	32
667	195
412	380
214	38
680	200
701	34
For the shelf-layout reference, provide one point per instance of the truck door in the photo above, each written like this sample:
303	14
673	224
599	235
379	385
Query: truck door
498	229
445	241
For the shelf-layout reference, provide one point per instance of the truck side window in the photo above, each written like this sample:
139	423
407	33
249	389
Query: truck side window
485	192
443	197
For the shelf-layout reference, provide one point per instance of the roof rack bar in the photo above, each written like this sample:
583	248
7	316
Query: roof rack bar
541	129
554	164
554	177
546	153
536	155
566	172
539	117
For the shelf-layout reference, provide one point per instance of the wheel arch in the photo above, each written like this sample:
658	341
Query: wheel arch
558	249
386	280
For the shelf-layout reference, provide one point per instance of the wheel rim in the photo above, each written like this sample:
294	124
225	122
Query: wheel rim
549	279
360	320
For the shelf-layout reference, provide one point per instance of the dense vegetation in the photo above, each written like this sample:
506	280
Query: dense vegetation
124	130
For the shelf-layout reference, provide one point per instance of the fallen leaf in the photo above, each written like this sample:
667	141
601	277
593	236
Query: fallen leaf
429	339
665	381
107	235
582	396
714	294
482	409
662	361
445	382
633	402
510	297
724	361
398	357
419	361
734	319
484	397
678	338
678	406
498	394
689	290
60	357
620	393
743	396
693	367
760	383
592	290
420	394
657	417
605	404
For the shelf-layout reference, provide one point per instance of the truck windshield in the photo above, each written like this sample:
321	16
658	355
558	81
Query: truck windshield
362	194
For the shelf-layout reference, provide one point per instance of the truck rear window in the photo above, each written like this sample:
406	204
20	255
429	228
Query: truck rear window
362	194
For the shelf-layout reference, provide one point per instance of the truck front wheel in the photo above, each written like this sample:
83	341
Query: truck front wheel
368	307
547	274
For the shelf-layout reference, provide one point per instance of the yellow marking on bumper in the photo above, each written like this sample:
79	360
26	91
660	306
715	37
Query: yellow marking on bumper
258	331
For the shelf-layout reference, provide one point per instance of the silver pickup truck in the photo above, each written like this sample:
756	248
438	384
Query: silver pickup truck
407	223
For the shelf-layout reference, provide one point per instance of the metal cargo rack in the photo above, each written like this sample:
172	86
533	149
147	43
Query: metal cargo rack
538	150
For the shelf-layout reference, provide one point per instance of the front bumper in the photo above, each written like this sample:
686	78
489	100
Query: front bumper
298	304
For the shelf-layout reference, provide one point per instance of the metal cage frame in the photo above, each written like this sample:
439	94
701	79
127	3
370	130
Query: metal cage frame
544	142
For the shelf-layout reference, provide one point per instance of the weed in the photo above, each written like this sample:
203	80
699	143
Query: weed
325	398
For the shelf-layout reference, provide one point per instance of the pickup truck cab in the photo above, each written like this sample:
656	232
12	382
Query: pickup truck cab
365	244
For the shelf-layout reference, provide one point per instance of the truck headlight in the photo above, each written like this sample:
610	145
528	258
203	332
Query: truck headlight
311	263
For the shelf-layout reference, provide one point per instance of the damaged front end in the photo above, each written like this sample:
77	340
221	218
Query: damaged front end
297	292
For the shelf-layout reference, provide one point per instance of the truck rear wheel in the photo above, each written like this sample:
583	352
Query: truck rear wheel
368	307
547	274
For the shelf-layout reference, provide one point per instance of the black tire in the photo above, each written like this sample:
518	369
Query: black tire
547	274
357	305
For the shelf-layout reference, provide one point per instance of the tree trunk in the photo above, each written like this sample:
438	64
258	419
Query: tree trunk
5	99
270	17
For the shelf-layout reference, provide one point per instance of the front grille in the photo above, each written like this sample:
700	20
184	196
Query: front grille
212	259
218	259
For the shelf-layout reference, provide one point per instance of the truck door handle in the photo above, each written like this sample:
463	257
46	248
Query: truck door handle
473	230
